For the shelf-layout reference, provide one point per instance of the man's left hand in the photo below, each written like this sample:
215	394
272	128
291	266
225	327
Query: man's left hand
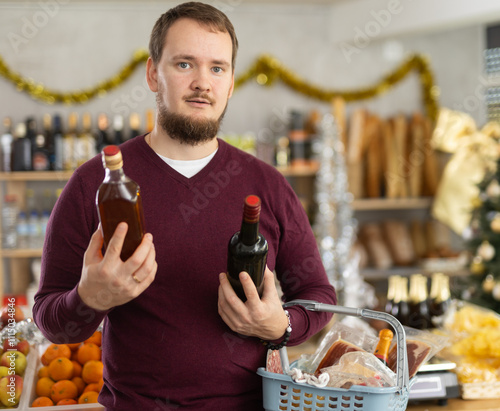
256	317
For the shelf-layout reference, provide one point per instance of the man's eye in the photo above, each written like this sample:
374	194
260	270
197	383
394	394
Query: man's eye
217	69
183	65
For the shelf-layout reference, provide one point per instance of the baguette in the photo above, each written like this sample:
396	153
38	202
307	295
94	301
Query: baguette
355	168
416	156
374	160
400	128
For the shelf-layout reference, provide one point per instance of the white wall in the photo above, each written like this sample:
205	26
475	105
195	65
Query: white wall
77	44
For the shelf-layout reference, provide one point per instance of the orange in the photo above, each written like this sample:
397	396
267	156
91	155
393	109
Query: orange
100	384
77	368
92	371
43	372
92	387
54	351
96	338
89	397
61	369
43	387
88	352
74	347
62	390
80	384
42	402
67	401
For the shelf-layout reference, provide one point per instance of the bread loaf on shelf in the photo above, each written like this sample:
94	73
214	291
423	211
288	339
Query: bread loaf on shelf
397	235
416	156
375	245
374	158
355	150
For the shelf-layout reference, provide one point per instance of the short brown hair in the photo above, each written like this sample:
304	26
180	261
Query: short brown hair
201	12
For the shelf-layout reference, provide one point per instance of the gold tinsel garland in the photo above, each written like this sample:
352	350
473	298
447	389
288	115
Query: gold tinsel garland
266	70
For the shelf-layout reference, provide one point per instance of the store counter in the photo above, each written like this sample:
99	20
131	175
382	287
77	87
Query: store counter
457	405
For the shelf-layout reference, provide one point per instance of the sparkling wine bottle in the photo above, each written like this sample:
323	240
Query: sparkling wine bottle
118	199
384	342
248	249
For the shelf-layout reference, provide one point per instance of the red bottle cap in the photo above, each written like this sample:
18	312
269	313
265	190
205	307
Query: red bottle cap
251	209
111	150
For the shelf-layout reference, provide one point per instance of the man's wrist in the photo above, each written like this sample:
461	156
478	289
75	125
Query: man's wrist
284	339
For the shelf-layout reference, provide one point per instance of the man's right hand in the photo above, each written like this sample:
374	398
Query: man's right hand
107	281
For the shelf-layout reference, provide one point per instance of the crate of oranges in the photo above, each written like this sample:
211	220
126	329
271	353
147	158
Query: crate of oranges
68	377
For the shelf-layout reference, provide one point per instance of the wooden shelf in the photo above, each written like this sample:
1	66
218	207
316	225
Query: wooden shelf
21	253
371	204
375	274
36	176
299	171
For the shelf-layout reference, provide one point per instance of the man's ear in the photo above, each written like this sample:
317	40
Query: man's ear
231	89
152	75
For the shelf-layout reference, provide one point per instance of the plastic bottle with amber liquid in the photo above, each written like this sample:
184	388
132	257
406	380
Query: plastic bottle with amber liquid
419	310
119	199
247	250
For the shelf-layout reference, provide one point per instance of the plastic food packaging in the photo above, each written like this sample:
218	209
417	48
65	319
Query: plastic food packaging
360	368
339	340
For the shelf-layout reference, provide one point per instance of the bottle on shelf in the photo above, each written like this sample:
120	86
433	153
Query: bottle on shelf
384	342
6	141
85	147
69	143
22	230
56	151
299	141
419	311
119	199
439	298
10	211
400	308
135	125
41	157
118	129
21	150
391	291
283	152
103	136
247	250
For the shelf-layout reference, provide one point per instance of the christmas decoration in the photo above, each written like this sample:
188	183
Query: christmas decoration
483	285
265	70
335	228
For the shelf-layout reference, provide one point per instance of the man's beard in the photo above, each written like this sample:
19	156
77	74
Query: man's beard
185	129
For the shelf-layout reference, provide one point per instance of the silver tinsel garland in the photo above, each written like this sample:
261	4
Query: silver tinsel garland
335	227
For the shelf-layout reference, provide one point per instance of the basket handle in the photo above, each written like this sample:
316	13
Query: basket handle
402	377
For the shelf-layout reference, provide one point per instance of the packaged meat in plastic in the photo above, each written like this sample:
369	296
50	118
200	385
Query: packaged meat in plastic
339	340
359	368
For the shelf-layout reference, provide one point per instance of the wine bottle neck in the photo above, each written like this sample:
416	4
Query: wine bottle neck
249	233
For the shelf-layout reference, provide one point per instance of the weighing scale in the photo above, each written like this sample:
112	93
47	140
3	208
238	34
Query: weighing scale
435	381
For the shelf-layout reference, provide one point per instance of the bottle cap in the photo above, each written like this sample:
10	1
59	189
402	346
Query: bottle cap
251	210
112	157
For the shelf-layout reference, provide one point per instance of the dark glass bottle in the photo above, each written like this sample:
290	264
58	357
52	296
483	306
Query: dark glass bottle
391	290
21	150
419	310
56	152
383	345
400	308
248	249
118	199
440	297
103	136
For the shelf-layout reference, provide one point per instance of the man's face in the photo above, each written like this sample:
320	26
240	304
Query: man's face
193	80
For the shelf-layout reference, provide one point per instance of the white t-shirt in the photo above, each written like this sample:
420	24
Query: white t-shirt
188	168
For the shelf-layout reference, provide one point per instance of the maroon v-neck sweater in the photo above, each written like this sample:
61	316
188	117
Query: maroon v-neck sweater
169	348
